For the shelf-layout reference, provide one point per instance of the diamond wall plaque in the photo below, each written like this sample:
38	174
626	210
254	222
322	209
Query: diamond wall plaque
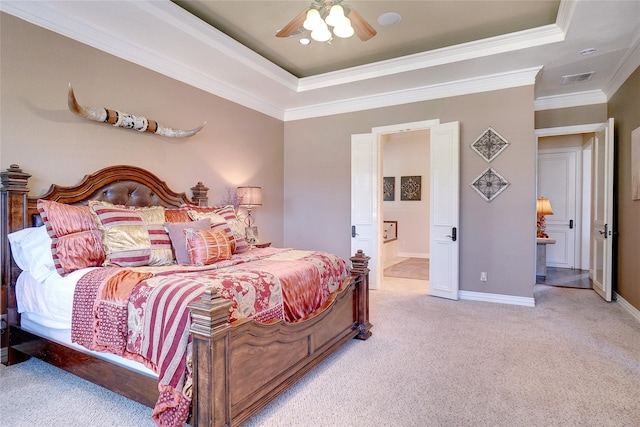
410	188
489	184
388	188
489	144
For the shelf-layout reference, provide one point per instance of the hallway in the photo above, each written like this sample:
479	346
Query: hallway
567	278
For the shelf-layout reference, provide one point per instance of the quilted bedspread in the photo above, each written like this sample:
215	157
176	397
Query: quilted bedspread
141	313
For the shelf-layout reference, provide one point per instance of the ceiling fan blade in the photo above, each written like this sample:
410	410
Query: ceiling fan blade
362	28
292	26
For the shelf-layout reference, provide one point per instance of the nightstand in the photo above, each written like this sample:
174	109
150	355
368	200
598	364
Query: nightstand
262	244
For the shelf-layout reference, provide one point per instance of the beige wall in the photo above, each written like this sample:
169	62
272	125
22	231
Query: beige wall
38	132
624	107
496	237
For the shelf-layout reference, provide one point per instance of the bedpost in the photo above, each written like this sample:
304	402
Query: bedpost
210	332
359	267
13	196
200	197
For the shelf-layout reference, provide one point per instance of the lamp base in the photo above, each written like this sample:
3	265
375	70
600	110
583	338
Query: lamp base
542	227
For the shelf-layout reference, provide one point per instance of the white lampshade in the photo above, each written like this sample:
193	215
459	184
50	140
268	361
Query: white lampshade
336	15
313	21
321	34
344	30
249	196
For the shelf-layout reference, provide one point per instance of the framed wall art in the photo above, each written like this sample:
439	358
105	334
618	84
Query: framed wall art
389	188
411	188
489	144
489	184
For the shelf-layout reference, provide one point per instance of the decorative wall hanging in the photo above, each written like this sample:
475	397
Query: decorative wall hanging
489	144
410	188
125	120
489	184
388	188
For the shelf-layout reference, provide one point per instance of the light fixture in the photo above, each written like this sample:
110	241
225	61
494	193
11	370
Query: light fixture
248	198
543	207
336	19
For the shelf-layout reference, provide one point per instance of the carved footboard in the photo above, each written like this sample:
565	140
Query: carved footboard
243	367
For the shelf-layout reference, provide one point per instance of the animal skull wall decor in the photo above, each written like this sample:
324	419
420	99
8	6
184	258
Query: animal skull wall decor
125	120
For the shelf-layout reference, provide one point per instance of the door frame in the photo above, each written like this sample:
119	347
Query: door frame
570	130
377	134
577	214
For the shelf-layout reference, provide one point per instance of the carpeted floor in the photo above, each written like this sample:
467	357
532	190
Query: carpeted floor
411	268
573	360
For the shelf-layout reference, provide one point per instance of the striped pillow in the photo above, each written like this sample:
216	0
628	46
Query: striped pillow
76	241
228	213
207	246
124	235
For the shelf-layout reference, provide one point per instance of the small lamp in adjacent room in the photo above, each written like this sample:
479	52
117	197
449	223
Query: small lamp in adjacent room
248	198
543	207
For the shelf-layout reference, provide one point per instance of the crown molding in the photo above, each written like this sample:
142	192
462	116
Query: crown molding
629	63
480	48
487	83
576	99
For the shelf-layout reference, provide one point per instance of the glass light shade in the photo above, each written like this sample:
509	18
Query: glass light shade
543	206
313	20
344	30
336	15
249	196
321	34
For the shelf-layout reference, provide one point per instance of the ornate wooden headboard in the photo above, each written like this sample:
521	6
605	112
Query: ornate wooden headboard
120	185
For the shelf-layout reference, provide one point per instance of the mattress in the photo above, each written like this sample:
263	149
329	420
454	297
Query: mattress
46	309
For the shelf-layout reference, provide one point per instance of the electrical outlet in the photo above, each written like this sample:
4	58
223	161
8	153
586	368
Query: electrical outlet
483	276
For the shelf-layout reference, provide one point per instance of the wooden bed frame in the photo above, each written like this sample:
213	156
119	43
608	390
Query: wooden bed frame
227	391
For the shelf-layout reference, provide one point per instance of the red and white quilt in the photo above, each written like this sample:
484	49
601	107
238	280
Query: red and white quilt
141	313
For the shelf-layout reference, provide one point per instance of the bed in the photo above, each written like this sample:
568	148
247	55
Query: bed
238	359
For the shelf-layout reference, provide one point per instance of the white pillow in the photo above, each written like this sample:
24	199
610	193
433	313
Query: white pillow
31	249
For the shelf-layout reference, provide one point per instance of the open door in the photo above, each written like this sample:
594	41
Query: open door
364	201
602	229
444	202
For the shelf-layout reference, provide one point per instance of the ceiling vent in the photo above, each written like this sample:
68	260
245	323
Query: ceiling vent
577	78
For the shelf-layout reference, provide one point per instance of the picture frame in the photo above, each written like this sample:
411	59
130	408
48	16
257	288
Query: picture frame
388	188
251	234
411	188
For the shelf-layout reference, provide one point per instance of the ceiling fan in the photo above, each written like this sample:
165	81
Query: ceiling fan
322	14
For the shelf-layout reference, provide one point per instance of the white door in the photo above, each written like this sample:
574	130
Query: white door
444	206
602	233
558	179
364	201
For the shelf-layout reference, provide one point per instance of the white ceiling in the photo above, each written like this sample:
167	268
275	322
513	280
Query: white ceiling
434	52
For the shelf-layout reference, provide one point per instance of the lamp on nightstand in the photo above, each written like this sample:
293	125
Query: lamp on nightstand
248	198
543	207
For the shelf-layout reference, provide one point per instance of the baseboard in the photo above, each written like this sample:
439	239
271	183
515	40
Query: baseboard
502	299
412	255
634	312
